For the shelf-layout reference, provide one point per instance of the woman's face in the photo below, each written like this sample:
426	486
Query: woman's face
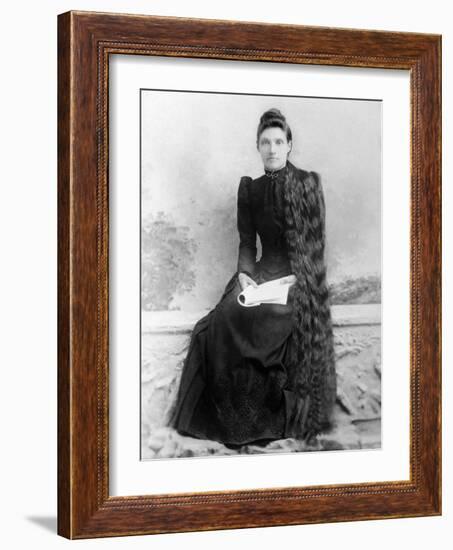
274	148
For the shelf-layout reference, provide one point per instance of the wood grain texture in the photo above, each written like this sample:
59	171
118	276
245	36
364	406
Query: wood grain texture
85	42
64	367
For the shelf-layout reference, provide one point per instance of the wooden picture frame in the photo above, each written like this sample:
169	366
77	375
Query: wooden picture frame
85	42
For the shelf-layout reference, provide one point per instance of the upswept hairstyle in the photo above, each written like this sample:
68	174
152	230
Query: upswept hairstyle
311	350
273	118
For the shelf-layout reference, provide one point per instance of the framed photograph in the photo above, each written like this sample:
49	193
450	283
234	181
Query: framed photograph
249	275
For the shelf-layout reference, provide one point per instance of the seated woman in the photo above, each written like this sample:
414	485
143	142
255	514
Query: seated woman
254	374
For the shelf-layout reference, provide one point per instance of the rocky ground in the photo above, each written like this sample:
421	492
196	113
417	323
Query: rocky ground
357	412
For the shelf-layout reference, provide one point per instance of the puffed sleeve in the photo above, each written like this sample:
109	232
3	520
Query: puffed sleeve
246	229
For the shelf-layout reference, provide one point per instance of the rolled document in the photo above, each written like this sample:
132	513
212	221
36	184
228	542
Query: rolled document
271	292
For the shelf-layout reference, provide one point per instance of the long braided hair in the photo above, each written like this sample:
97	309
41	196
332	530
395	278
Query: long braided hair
311	347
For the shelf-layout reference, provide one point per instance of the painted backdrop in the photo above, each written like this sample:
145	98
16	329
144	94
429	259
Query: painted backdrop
196	147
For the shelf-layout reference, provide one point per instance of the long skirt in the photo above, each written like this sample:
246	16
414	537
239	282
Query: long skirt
237	386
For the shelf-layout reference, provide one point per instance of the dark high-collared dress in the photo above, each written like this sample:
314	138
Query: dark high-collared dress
236	385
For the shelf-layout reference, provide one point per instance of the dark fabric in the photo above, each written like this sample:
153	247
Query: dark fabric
236	386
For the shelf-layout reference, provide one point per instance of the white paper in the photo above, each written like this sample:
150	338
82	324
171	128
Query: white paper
271	292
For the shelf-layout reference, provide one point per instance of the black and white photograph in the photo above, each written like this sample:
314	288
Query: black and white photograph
260	274
225	287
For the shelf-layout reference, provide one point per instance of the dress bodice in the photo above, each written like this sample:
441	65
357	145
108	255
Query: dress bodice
261	211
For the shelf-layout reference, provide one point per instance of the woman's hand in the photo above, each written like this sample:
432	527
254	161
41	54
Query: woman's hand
245	281
289	279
